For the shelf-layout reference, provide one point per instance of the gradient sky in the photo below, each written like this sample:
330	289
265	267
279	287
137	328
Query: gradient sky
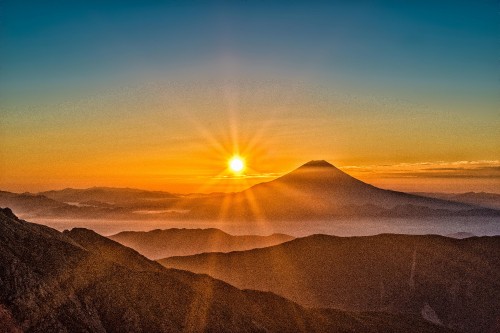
159	94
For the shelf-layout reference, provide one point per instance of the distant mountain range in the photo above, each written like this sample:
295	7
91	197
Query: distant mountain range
481	199
157	244
27	203
315	191
92	203
318	190
79	281
448	281
109	195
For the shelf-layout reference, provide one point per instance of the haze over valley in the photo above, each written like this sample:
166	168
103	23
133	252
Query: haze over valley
331	201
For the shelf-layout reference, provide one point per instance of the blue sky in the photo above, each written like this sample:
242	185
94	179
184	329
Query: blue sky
405	47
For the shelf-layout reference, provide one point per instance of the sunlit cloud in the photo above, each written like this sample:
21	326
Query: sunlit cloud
440	169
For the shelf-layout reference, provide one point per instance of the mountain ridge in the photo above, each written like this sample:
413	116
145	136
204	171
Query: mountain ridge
454	280
157	244
52	281
319	190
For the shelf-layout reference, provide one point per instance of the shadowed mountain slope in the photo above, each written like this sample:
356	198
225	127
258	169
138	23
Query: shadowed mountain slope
111	250
157	244
78	281
450	281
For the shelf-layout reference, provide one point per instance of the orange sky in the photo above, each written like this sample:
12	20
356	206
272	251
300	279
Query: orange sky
159	96
168	138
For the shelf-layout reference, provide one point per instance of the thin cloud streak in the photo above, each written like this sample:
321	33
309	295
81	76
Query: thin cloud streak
489	169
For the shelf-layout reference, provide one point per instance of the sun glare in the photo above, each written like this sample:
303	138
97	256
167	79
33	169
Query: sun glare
236	164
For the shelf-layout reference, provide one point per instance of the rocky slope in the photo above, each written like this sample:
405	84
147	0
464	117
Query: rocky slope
78	281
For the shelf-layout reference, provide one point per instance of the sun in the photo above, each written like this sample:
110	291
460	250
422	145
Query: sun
236	164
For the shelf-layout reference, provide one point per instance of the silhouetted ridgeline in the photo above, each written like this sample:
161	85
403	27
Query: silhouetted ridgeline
157	244
78	281
448	281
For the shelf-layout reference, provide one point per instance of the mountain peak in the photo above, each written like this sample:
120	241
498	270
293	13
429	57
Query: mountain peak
318	164
8	212
319	175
